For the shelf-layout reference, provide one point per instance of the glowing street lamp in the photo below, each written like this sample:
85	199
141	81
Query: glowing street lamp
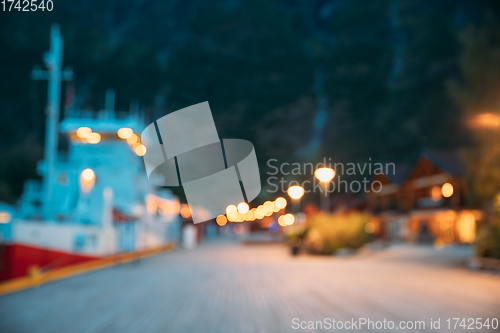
295	192
87	180
243	208
447	190
325	176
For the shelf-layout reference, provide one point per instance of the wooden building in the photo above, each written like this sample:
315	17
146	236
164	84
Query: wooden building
426	202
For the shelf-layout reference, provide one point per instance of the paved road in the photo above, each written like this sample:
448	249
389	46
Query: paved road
257	288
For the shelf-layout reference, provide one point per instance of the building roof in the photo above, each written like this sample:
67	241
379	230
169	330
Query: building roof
448	161
400	173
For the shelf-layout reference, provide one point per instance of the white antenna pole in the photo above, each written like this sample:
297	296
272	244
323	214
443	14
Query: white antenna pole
54	74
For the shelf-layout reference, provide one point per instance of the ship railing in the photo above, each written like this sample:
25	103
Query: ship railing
105	114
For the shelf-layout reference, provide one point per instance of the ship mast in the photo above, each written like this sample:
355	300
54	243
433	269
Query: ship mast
54	75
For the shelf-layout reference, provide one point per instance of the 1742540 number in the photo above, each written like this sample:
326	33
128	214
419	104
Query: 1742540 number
472	323
27	5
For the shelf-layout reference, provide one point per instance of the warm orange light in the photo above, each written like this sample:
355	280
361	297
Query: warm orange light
83	132
295	192
288	219
243	207
88	175
238	229
239	217
370	227
232	213
486	120
250	216
466	228
436	193
140	149
447	190
280	202
133	139
221	220
5	217
260	212
268	206
231	209
247	216
324	174
281	222
185	211
125	133
94	138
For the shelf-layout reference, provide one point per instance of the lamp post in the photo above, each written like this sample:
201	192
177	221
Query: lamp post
325	176
295	192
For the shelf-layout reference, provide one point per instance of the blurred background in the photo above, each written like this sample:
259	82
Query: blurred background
411	85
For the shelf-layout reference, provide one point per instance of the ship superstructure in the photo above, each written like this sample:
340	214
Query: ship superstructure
93	199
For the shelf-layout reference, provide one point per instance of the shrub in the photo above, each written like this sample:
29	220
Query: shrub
327	233
488	242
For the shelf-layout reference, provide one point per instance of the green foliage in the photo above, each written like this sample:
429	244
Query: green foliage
328	233
488	242
477	93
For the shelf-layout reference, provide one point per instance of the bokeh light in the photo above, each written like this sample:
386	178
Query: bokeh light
140	149
125	133
447	190
221	220
185	212
324	174
83	132
88	174
280	202
370	227
436	193
243	207
238	229
94	138
295	192
288	219
281	222
133	139
273	227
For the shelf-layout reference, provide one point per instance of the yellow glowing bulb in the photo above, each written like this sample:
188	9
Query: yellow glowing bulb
243	207
447	190
140	149
125	133
280	202
185	212
436	193
221	220
83	132
260	212
231	209
94	138
281	222
88	174
295	192
324	174
268	206
288	219
133	139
